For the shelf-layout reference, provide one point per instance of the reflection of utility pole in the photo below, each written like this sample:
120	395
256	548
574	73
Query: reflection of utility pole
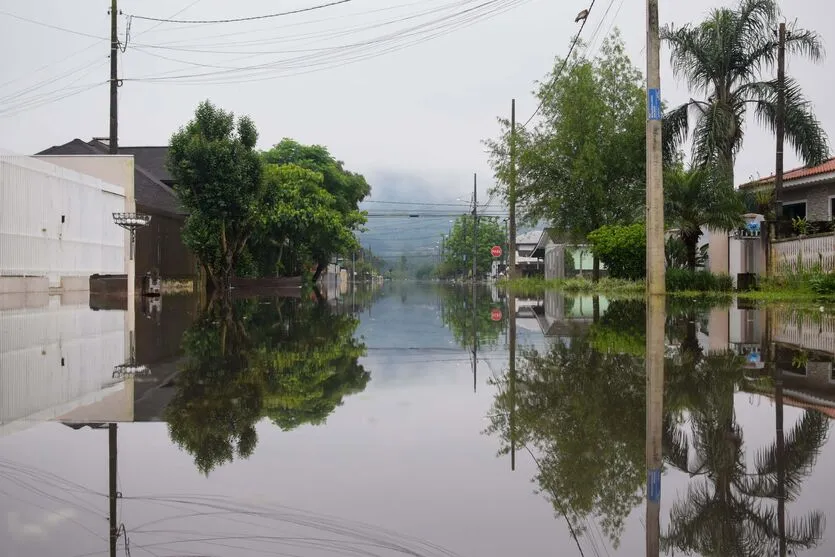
475	341
113	494
656	318
511	320
777	375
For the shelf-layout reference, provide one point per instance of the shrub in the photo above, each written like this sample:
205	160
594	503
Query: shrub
622	249
700	281
822	284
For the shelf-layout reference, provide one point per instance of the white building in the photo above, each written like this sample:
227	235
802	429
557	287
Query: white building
56	223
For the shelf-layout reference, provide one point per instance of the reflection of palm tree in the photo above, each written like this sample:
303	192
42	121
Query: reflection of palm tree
726	511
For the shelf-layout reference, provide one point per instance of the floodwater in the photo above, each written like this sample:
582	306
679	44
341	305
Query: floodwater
405	420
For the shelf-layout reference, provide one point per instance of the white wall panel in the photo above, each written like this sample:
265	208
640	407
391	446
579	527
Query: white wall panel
34	196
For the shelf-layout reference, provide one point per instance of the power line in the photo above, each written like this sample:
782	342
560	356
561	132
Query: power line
339	56
564	62
241	19
55	27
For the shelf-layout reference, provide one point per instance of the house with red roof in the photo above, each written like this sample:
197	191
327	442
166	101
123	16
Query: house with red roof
808	192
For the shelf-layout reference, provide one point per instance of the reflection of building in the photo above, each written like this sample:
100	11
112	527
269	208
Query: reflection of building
557	315
804	352
57	360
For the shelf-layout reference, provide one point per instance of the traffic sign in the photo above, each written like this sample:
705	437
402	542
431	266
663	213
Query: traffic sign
496	314
496	251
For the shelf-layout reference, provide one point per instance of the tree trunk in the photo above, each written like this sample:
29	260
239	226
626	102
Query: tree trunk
320	268
690	243
595	273
595	305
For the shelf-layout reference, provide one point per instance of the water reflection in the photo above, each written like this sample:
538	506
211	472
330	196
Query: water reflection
600	402
291	361
576	407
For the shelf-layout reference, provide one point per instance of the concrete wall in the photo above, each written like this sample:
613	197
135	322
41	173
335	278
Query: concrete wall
56	358
57	223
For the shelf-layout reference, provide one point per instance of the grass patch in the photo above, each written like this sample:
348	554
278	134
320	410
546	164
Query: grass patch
798	290
606	286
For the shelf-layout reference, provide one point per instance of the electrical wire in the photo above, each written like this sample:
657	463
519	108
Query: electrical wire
341	55
242	19
564	62
55	27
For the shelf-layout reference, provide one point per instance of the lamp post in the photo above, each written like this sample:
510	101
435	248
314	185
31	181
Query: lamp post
131	222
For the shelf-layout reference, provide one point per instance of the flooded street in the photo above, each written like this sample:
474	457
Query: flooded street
389	421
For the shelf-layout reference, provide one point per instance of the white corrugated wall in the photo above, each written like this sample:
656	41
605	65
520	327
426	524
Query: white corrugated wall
36	241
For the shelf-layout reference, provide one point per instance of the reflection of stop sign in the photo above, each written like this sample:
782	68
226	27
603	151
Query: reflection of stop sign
496	251
496	314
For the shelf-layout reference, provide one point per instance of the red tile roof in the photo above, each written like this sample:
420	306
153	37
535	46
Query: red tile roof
794	174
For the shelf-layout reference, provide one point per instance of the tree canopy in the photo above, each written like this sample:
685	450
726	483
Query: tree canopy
217	172
583	165
458	247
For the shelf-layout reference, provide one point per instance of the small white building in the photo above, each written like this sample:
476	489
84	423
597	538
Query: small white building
56	222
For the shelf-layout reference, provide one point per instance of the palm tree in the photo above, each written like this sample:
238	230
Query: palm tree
725	58
694	200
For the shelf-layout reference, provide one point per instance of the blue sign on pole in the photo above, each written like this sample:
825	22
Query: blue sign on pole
654	99
654	485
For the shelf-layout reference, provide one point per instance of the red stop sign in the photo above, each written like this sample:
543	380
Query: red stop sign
496	251
496	314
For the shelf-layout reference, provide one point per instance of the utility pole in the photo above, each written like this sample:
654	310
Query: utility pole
475	227
113	494
114	82
780	129
511	196
655	178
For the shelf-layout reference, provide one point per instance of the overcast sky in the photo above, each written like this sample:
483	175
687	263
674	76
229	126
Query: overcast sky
419	112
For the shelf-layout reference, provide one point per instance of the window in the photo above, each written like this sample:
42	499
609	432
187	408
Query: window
831	208
794	210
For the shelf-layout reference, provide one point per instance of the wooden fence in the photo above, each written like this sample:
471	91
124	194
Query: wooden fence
804	254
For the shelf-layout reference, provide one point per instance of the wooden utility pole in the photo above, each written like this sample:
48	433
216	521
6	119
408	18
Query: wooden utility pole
113	495
655	163
475	227
114	82
511	196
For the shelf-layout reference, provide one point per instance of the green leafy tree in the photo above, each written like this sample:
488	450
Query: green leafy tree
347	188
217	172
583	166
300	221
726	58
458	248
694	200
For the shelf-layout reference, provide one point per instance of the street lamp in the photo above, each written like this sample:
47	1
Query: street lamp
131	222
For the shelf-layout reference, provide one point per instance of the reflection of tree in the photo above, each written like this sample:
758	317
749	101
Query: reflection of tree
582	411
726	510
289	360
218	398
316	368
458	316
